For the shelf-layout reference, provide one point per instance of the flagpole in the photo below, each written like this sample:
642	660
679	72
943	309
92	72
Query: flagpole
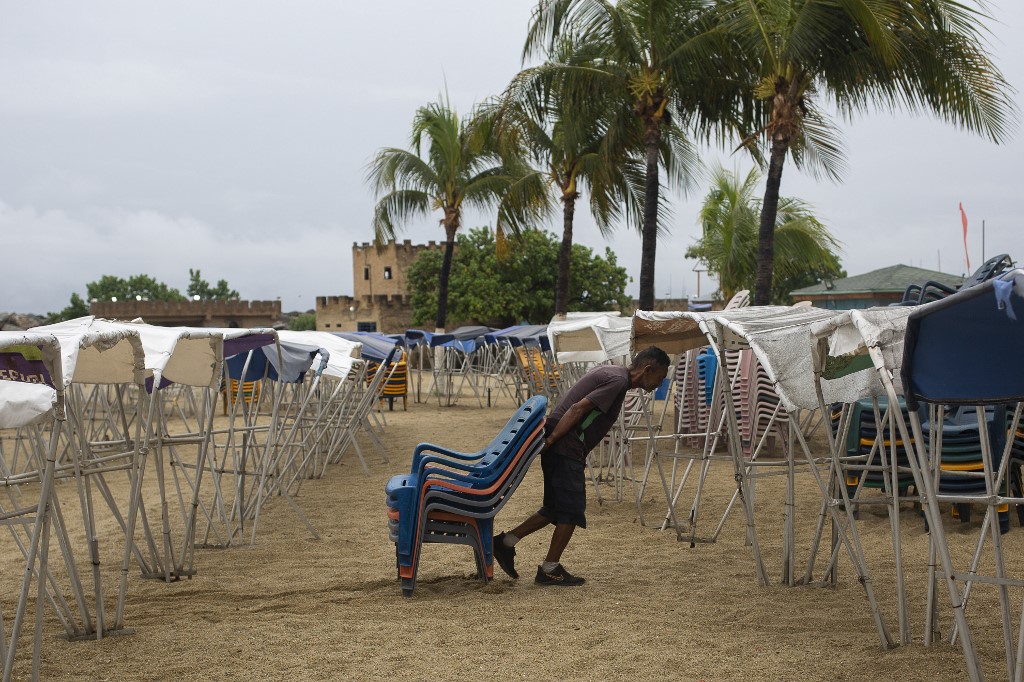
982	240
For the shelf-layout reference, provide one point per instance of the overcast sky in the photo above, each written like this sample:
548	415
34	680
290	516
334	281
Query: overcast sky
232	136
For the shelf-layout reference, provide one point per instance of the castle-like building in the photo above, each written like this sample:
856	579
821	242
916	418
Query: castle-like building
380	301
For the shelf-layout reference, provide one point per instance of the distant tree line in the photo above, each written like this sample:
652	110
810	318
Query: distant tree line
144	288
517	287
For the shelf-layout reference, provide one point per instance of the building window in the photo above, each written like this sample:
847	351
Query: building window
387	272
366	326
366	272
328	324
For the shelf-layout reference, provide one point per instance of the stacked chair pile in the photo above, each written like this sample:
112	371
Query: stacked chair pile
753	393
452	497
396	382
865	467
1016	462
695	381
756	400
962	466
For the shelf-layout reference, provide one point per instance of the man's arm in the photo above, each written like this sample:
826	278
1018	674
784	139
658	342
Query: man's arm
572	417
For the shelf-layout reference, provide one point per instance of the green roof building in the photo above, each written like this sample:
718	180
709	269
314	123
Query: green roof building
875	288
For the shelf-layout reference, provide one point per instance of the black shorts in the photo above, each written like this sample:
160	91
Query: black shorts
565	489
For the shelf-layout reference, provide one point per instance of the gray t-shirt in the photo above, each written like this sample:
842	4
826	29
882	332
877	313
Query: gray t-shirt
606	387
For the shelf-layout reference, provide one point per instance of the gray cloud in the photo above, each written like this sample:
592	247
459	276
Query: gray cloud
233	136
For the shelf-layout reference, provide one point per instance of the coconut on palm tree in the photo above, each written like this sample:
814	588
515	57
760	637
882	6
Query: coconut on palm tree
730	218
802	54
452	165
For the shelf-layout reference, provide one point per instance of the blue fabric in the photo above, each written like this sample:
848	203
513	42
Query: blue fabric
1004	289
258	368
243	344
964	350
519	334
463	338
376	347
297	357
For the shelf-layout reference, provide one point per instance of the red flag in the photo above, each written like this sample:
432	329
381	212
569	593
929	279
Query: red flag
963	219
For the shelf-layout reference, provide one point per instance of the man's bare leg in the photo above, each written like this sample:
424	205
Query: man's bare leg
559	539
531	525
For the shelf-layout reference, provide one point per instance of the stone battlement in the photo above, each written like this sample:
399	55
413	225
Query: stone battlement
192	313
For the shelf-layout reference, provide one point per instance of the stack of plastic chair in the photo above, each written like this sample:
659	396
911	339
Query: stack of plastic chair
863	445
962	466
707	368
452	497
250	393
766	411
685	396
395	383
1015	466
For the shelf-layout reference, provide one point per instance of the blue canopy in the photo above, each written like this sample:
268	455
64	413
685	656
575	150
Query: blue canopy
463	338
523	335
376	347
259	367
965	349
297	359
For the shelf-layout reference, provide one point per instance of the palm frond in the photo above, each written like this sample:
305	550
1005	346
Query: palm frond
397	207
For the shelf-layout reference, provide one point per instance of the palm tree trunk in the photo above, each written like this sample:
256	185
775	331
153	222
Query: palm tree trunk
649	245
766	231
446	270
562	285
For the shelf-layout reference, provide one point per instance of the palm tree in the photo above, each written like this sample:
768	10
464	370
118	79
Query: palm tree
728	245
566	142
922	55
461	168
638	53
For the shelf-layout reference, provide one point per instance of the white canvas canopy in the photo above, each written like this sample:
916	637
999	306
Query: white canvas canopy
23	404
183	355
97	355
342	351
850	334
590	337
780	337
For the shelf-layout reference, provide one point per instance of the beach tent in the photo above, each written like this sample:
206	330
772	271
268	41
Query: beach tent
103	377
778	337
518	361
590	337
955	355
375	347
452	361
177	360
290	370
31	397
345	409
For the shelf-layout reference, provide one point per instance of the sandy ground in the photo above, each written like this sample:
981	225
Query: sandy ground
653	608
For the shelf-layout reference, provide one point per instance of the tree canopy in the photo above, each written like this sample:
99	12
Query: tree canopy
114	288
200	289
521	286
919	56
644	55
140	287
459	167
805	253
